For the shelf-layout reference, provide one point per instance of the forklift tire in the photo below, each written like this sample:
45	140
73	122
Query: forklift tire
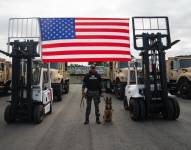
176	108
134	109
59	97
185	90
142	109
8	115
169	113
125	104
38	114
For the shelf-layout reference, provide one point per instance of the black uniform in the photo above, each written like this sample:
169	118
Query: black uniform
92	81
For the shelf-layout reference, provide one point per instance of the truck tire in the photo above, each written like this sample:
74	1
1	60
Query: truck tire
9	115
142	109
169	112
119	90
5	91
62	87
176	108
125	104
67	87
134	109
38	114
173	92
185	90
59	97
50	108
59	93
108	86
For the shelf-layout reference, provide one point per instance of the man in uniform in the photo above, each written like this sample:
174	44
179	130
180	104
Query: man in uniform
92	82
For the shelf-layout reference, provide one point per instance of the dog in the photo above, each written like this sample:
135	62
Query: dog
107	117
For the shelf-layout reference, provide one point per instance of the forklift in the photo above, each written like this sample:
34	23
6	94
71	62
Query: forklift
147	96
32	95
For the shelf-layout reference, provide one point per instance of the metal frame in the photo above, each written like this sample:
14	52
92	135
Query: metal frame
24	29
152	29
22	51
153	57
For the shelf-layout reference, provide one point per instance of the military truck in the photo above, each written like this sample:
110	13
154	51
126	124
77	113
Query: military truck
116	78
5	75
119	78
59	79
179	76
63	70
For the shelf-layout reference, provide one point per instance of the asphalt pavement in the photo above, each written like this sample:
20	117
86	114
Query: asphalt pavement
64	129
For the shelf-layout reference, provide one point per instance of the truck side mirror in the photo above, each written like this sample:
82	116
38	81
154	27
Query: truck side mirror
171	65
2	66
136	64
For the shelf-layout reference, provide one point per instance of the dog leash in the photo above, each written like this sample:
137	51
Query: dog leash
82	102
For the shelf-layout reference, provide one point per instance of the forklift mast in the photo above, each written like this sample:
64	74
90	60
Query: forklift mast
152	38
22	55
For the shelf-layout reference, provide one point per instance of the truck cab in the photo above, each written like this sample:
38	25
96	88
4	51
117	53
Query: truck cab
5	75
121	76
179	75
59	79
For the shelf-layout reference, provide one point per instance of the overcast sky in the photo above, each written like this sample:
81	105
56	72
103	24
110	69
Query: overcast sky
178	11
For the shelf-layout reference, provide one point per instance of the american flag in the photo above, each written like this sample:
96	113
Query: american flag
85	39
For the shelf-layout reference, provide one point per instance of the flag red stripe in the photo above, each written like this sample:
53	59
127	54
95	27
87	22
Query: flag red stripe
74	52
101	30
102	23
101	19
102	37
87	60
54	45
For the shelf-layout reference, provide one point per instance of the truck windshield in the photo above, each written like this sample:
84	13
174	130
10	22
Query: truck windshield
54	65
123	64
185	63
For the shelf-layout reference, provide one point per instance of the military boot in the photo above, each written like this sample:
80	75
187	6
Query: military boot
86	121
97	120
